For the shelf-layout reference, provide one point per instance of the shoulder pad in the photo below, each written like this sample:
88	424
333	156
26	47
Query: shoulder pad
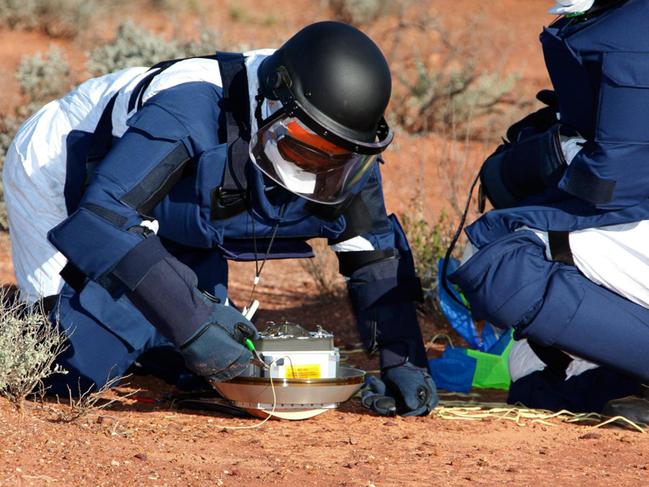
158	123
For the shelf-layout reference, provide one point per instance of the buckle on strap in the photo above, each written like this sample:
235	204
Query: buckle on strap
226	203
560	247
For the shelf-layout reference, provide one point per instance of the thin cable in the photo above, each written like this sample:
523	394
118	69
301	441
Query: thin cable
454	240
272	411
260	268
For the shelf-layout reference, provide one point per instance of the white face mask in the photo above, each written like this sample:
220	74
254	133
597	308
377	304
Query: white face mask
295	179
292	177
571	6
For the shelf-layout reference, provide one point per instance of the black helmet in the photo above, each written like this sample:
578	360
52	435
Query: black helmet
334	84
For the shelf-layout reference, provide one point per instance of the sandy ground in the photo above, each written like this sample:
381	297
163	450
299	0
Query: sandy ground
143	440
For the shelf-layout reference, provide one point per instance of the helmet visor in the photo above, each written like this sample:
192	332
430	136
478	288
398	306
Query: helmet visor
306	163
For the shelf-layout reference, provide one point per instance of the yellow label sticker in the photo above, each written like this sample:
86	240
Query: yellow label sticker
302	371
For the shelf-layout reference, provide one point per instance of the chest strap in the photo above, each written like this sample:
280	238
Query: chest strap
231	197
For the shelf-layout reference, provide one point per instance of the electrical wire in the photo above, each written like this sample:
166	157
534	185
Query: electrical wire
272	387
456	236
272	411
259	268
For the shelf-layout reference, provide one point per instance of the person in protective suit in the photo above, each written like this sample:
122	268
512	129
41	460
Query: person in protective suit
127	198
563	258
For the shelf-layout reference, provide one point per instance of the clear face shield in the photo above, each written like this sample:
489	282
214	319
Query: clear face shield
306	163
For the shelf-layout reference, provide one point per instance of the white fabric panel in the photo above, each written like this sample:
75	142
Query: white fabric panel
523	362
571	146
615	257
563	7
356	244
190	70
34	179
469	251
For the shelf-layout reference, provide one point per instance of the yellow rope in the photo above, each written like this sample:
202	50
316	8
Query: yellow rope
472	411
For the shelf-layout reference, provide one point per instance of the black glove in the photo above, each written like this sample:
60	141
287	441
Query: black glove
406	390
209	335
523	168
539	121
216	351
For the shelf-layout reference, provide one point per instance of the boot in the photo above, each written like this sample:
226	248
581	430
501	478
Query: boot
633	408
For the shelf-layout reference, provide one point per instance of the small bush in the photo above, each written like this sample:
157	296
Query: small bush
29	345
440	78
57	18
43	78
428	243
136	46
80	403
439	98
358	12
323	269
19	13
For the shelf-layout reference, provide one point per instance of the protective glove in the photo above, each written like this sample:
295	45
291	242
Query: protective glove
405	389
209	335
538	121
216	351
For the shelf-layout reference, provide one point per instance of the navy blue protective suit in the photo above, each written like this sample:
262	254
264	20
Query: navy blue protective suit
183	147
600	71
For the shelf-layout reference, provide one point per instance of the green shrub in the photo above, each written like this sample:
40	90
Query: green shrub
43	78
440	82
57	18
29	345
323	269
136	46
19	13
428	243
358	12
442	97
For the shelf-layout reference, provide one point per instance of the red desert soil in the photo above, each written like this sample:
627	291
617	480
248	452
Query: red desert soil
147	442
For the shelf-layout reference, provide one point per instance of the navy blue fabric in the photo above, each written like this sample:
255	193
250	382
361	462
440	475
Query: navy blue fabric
236	100
78	145
285	248
604	94
586	392
136	264
383	296
84	230
211	268
105	337
600	76
531	164
510	283
188	117
168	297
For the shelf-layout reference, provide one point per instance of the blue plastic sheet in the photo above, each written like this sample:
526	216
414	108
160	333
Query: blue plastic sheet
459	317
455	370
